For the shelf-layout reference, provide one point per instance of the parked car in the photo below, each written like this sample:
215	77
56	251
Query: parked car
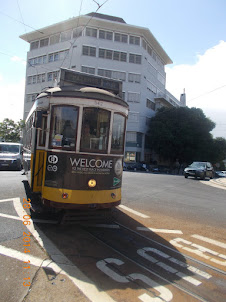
220	173
135	167
199	169
10	155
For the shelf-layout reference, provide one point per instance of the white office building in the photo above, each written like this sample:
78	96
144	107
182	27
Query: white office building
107	46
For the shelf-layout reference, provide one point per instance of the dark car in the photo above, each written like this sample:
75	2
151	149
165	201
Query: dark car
136	167
220	173
199	169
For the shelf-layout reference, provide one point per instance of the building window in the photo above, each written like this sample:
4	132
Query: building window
133	58
133	97
87	69
34	45
112	55
130	156
121	38
149	50
131	137
117	75
37	61
161	79
31	97
65	36
91	32
44	42
134	40
150	104
51	76
133	117
134	77
77	32
107	35
151	87
89	51
36	79
54	39
144	44
56	56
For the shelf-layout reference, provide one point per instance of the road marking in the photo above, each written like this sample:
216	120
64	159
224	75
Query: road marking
160	230
133	211
209	240
4	200
164	293
199	250
66	267
10	216
143	253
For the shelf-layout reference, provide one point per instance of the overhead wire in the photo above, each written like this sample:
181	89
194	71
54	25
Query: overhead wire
21	22
206	93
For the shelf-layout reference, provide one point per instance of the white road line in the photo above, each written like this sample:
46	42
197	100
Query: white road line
4	200
66	267
160	230
209	240
10	216
133	211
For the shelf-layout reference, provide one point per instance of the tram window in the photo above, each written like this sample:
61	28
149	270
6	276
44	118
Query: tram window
118	131
42	133
63	127
95	130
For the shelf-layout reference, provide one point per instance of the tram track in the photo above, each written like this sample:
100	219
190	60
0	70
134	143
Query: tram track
175	277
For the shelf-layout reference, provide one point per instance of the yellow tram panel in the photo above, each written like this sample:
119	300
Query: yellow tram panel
81	196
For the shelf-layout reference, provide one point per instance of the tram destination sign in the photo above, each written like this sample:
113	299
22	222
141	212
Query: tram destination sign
72	77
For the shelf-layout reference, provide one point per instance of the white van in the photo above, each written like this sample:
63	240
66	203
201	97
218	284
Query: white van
11	155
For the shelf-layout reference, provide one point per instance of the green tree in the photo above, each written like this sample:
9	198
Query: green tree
10	130
181	133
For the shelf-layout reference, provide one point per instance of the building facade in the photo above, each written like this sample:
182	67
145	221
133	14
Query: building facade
107	46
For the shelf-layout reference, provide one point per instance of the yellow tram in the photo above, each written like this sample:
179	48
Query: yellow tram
74	142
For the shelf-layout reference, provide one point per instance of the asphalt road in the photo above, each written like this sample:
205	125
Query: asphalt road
161	217
177	197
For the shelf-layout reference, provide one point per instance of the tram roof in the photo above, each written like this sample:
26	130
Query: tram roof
84	92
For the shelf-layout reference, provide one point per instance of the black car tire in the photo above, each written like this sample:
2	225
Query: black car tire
204	176
186	176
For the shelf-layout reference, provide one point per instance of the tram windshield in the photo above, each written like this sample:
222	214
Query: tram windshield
95	130
64	127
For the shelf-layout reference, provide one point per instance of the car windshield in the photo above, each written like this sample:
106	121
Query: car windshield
4	148
198	165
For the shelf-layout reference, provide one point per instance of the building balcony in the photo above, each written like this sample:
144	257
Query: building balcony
166	100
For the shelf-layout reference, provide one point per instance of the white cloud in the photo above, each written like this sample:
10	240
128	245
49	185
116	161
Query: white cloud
204	84
12	100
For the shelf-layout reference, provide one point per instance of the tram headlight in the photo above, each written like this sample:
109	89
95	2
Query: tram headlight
92	183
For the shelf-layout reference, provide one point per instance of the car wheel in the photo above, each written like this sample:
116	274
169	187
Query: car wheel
204	176
186	176
211	176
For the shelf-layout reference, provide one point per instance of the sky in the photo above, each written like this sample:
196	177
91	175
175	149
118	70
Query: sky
193	34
